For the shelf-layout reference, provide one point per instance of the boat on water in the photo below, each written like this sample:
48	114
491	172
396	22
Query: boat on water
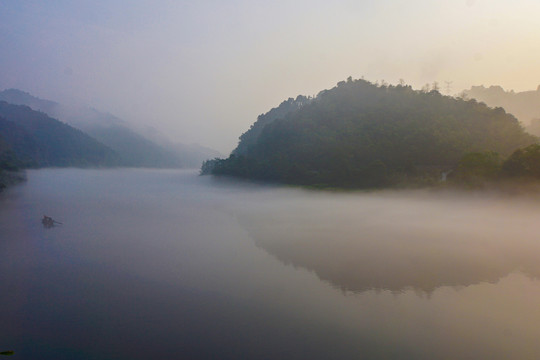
48	222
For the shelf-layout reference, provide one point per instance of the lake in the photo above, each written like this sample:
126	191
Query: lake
165	264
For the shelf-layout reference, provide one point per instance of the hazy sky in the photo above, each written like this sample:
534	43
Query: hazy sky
201	71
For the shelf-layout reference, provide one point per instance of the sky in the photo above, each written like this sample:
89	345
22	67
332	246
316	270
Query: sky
202	71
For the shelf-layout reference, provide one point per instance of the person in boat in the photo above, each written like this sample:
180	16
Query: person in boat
47	221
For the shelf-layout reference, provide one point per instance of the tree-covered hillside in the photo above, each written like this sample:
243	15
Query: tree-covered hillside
9	165
362	135
249	138
38	140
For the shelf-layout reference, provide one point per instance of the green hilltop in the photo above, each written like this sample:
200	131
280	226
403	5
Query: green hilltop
363	135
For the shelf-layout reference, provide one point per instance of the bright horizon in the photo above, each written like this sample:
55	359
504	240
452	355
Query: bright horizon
201	72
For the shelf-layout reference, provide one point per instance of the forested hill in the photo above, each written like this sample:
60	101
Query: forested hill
362	135
249	138
37	140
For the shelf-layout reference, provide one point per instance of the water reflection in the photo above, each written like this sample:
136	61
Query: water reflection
392	241
164	264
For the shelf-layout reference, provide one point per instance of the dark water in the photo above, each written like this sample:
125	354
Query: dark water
169	265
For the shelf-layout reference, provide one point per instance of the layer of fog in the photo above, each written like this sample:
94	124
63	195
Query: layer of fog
157	263
398	240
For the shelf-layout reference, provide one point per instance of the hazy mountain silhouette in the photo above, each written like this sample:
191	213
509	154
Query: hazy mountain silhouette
524	105
133	148
39	141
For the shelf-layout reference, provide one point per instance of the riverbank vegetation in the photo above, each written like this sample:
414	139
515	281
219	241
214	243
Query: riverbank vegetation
10	172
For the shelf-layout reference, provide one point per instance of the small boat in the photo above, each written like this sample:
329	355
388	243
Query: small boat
48	222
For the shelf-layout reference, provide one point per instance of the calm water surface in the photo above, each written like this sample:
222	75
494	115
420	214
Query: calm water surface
169	265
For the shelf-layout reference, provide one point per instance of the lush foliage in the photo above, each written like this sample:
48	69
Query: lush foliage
362	135
477	169
8	159
474	169
249	138
9	165
523	163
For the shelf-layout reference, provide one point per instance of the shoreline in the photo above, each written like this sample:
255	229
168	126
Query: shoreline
9	178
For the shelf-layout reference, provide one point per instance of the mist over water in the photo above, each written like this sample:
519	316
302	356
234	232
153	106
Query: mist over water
167	264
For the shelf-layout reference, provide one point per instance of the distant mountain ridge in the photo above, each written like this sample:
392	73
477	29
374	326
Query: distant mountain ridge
18	97
40	141
524	105
134	149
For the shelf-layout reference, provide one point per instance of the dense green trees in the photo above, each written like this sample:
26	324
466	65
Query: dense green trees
249	138
474	169
477	169
523	163
9	165
362	135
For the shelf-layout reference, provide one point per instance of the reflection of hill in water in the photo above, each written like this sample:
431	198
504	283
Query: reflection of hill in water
395	243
